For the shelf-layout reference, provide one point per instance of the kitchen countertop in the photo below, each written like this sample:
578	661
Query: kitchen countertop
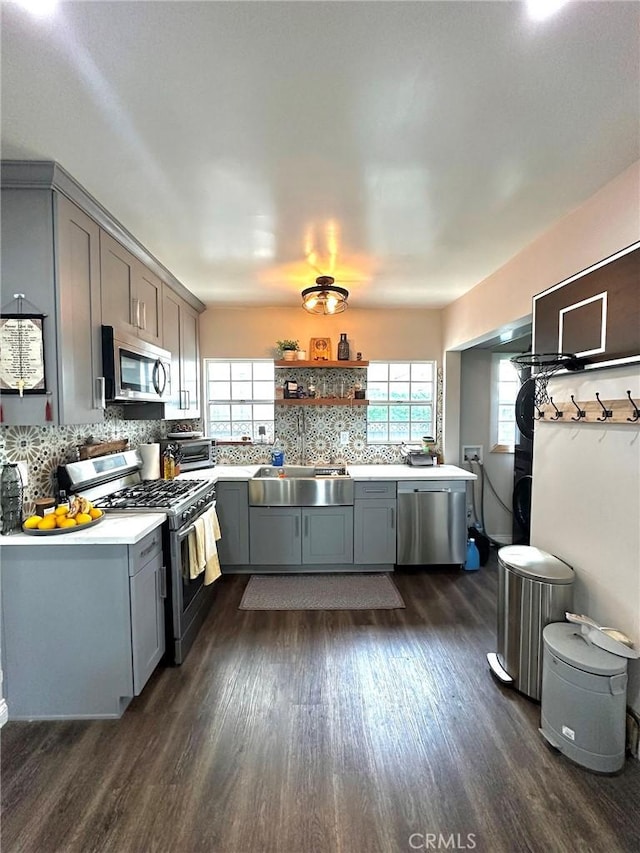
116	529
225	473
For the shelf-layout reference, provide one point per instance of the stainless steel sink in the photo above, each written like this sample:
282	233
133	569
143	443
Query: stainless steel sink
301	485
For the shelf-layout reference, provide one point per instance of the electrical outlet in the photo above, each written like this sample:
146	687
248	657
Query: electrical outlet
472	452
344	437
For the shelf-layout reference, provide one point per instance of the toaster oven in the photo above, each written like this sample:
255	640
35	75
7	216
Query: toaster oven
194	452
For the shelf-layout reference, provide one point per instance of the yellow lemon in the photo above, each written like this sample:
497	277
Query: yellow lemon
46	523
67	522
32	521
63	509
95	513
83	518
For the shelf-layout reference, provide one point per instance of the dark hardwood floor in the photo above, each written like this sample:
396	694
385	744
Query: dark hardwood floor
336	732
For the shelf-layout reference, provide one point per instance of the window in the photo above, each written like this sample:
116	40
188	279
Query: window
401	401
506	387
239	399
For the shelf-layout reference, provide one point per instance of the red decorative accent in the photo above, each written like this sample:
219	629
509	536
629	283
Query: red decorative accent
48	411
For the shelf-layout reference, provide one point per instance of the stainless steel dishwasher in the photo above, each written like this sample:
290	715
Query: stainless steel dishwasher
431	522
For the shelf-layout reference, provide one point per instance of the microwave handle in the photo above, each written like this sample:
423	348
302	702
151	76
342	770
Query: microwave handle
165	376
154	377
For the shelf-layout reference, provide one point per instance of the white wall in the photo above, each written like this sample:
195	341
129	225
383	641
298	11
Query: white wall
586	504
475	428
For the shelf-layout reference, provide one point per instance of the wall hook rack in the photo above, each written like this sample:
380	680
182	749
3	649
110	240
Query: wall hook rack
540	415
607	413
636	410
558	413
581	412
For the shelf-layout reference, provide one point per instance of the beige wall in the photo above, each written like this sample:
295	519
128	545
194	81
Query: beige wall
377	334
607	222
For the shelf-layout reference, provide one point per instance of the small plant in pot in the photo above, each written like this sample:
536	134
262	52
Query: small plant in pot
288	349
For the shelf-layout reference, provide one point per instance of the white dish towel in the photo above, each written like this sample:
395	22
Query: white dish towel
207	531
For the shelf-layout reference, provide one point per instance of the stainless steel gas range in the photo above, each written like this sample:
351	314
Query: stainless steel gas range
113	483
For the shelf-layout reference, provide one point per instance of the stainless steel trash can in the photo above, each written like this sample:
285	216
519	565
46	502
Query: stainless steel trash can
534	589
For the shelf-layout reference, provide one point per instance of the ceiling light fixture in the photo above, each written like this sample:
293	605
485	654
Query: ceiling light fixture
540	9
325	297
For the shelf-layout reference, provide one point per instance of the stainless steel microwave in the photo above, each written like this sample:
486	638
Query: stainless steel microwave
194	452
133	369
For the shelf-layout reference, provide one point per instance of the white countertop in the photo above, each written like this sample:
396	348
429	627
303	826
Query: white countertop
222	473
115	529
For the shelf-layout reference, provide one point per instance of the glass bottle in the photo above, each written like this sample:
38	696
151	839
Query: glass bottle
343	347
11	498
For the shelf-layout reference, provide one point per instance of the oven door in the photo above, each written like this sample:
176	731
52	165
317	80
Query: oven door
188	597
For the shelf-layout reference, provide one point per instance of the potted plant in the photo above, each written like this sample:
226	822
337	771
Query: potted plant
288	349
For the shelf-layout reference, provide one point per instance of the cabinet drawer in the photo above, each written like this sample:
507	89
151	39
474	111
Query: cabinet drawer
375	490
145	550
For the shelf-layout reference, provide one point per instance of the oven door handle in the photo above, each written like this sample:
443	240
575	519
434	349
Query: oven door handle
182	534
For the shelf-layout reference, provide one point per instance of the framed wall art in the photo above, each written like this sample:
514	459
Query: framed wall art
320	349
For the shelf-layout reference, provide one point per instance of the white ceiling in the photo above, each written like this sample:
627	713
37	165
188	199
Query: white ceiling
408	148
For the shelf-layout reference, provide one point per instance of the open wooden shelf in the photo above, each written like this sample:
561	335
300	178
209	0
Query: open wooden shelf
322	401
297	363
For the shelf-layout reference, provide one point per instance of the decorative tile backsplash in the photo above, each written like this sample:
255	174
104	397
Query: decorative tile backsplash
309	434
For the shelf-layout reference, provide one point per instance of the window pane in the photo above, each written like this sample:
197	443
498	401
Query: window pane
263	390
506	371
506	433
262	412
377	432
220	429
398	432
219	412
508	391
506	413
241	390
241	370
378	413
263	371
422	371
420	429
421	391
377	372
219	390
220	370
241	413
420	413
378	391
399	413
399	372
398	390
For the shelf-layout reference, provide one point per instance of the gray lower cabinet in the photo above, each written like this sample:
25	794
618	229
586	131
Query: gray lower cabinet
83	627
374	531
295	536
232	507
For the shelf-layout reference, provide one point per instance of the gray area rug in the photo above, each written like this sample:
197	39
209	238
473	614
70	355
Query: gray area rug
321	592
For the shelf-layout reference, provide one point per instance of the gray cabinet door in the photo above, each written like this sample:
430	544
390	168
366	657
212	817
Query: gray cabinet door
171	341
274	536
131	293
79	315
189	361
147	620
374	531
232	507
327	535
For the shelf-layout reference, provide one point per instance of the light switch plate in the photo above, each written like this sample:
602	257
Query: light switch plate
344	437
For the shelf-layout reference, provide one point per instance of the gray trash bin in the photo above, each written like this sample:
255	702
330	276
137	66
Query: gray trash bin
534	589
584	697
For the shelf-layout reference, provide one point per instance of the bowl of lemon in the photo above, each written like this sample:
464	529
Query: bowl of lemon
78	514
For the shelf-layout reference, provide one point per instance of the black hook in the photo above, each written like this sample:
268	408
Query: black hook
636	410
581	412
540	413
607	412
558	413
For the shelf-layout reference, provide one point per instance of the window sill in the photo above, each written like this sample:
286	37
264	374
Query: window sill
502	448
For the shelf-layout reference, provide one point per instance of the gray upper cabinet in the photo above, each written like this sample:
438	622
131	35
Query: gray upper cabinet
131	293
51	254
180	337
